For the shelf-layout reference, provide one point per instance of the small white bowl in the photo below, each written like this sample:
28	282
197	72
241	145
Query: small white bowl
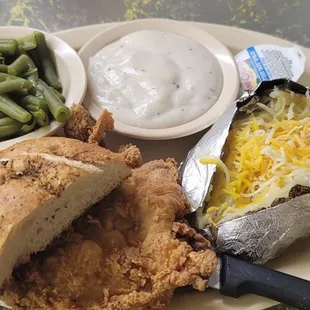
222	54
70	71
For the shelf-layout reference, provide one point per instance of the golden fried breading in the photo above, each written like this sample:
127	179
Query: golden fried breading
132	155
104	124
80	126
124	255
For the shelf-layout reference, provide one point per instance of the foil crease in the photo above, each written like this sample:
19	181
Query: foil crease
196	178
259	236
263	235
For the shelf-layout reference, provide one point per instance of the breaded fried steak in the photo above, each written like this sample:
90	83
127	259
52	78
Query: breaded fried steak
129	252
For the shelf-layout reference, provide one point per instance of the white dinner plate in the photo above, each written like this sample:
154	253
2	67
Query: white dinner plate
296	260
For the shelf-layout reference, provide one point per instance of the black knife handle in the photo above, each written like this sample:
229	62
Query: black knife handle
239	277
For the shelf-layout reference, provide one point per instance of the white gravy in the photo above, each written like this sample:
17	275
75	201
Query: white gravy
154	79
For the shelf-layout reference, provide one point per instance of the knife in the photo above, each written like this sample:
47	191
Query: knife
235	277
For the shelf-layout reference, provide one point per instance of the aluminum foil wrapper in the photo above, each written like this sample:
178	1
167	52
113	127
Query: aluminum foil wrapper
259	236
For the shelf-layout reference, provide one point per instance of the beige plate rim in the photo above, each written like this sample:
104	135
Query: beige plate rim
296	260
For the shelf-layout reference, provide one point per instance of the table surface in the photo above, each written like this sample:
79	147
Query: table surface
288	19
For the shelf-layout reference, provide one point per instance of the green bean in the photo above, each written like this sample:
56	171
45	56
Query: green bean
8	121
59	95
29	73
9	127
34	91
2	59
28	127
31	67
21	51
46	61
32	73
28	43
3	68
5	77
13	85
34	55
20	93
19	66
12	109
32	104
2	115
9	77
41	117
8	48
33	78
60	112
31	63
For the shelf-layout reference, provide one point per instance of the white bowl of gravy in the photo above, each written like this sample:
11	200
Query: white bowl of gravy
161	79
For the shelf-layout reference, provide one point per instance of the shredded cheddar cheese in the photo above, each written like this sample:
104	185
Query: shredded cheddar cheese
269	153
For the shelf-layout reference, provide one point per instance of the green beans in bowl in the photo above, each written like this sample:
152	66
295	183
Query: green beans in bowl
41	77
